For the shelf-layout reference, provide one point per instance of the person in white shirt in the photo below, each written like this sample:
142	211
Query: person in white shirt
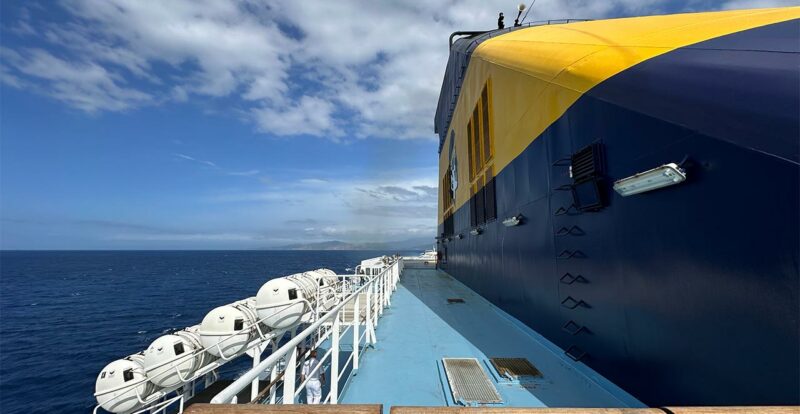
312	371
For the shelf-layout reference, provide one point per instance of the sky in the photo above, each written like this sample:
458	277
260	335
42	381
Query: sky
210	124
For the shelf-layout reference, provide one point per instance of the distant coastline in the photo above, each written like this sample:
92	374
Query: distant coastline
412	244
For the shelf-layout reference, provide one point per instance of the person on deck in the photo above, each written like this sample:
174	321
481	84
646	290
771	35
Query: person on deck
313	372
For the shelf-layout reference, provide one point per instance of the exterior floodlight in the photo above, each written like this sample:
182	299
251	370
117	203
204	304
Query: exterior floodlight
459	236
513	221
476	231
521	9
663	176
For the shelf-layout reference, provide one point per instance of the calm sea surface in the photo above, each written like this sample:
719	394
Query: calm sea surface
65	315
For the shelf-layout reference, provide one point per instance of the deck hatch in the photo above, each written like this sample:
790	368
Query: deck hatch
469	383
515	368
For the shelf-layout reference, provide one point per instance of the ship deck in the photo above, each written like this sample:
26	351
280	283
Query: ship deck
421	327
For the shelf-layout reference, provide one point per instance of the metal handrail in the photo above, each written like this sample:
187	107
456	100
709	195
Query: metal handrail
383	284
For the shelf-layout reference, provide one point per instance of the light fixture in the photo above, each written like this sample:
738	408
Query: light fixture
520	8
476	231
513	220
663	176
459	236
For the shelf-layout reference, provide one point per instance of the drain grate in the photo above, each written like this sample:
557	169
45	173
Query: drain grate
469	383
515	368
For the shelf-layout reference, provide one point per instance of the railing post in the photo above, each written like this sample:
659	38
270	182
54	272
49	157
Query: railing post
368	323
256	359
207	379
386	287
389	287
188	390
335	362
273	375
356	323
381	300
289	376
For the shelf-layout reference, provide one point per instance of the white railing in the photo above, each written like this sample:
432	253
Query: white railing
377	291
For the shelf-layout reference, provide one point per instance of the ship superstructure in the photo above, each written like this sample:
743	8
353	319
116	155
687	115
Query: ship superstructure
628	188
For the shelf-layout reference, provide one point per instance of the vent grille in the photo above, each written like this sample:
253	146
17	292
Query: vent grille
469	383
587	163
515	368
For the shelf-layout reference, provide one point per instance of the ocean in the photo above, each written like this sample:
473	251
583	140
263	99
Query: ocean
64	315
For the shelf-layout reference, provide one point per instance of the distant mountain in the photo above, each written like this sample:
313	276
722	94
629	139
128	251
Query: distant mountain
410	244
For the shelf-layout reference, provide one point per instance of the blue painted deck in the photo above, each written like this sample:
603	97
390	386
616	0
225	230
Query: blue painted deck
420	328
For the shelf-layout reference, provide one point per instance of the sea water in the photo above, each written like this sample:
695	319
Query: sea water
64	315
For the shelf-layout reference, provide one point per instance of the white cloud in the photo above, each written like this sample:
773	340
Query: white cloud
399	206
248	173
192	159
87	86
756	4
329	69
310	115
313	181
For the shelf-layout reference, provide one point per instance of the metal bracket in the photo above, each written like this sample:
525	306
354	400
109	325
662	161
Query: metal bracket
571	303
573	328
561	210
575	353
573	231
569	279
571	254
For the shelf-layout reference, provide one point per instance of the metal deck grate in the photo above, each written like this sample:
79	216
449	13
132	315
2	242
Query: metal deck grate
469	383
514	368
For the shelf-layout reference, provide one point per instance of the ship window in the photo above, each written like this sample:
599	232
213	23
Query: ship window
103	374
292	294
321	282
238	324
127	375
483	203
178	348
476	141
447	194
471	152
487	144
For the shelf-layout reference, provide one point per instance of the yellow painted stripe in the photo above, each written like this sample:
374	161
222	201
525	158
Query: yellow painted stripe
539	72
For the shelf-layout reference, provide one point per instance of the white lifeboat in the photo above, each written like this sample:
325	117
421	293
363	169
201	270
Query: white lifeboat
226	330
282	303
172	359
122	385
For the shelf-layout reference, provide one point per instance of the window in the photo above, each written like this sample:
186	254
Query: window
483	201
447	203
178	348
127	375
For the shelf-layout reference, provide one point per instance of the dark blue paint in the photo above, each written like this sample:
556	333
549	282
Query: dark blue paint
690	294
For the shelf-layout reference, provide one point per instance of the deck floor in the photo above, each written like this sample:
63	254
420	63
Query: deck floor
420	328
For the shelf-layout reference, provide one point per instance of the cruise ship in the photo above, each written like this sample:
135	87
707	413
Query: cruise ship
619	207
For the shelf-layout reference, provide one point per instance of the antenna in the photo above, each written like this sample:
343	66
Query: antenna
526	13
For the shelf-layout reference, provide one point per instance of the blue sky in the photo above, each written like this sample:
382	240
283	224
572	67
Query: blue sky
129	124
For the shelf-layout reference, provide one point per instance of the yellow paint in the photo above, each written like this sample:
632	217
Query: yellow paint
539	72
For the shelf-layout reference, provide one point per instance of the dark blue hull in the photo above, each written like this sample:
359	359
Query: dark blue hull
686	295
